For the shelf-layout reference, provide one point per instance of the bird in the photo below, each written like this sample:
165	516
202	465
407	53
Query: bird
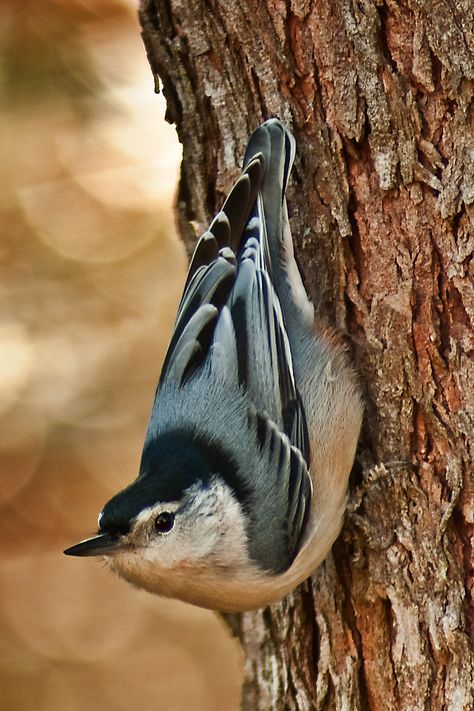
243	478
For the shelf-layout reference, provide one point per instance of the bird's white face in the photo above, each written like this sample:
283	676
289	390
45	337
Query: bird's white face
170	544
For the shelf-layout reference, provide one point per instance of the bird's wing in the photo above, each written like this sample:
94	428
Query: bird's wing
265	371
211	278
264	360
230	306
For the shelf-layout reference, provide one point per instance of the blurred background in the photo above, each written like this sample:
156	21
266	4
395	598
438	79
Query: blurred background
90	275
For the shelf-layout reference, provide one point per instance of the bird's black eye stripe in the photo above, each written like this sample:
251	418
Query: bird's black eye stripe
164	522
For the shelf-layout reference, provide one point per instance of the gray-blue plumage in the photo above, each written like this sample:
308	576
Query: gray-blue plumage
227	403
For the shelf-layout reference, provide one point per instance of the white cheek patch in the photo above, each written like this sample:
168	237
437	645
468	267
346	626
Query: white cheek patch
209	530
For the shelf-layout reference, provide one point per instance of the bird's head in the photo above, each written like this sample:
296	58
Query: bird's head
180	517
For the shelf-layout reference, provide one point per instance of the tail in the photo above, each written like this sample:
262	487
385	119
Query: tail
278	148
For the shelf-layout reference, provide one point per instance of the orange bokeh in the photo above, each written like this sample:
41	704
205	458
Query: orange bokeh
90	277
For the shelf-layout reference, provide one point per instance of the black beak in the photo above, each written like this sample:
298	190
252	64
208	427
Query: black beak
102	544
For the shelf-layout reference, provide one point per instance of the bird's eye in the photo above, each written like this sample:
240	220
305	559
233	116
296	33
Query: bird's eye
164	522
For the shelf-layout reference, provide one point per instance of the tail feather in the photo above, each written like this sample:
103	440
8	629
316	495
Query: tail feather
278	149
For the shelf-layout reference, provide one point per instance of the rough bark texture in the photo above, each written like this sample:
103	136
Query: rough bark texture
379	96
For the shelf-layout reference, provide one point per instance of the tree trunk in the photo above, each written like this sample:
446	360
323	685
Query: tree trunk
379	98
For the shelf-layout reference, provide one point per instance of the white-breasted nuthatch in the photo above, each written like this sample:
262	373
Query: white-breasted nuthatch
243	477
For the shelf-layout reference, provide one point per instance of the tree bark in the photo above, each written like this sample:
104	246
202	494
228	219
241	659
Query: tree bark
379	96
